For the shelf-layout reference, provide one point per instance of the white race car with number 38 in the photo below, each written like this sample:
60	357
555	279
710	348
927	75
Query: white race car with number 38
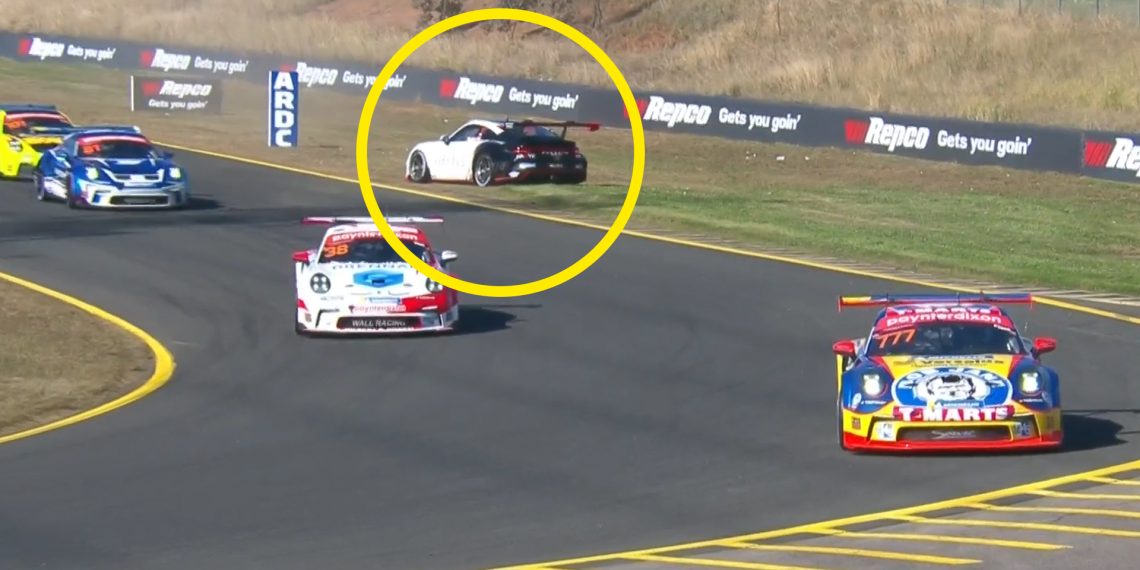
355	282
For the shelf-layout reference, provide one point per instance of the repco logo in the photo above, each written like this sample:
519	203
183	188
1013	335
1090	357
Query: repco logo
164	60
662	111
1120	154
36	47
183	90
311	75
880	133
471	91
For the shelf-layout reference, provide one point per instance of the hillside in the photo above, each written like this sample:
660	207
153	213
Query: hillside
921	56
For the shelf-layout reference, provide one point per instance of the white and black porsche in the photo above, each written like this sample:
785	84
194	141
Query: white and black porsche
489	152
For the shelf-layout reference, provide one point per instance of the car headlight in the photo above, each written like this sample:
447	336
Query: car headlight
175	173
433	286
873	384
1030	382
92	173
320	283
16	145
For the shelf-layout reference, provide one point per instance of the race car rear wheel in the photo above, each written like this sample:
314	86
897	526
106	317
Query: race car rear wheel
483	169
418	169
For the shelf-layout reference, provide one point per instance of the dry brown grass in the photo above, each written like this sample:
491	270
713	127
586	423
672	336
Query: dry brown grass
918	56
56	360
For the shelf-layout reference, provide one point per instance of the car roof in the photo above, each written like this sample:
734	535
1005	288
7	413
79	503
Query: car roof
497	126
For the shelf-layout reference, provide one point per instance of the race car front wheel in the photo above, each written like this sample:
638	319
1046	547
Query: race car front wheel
418	169
72	197
41	192
839	424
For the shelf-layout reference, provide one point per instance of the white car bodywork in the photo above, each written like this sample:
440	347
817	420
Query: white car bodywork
451	158
364	297
485	152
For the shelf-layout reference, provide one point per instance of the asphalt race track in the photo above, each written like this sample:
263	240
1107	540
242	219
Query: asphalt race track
668	394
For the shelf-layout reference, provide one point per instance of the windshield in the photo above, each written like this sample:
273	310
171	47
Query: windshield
23	124
945	339
113	147
369	250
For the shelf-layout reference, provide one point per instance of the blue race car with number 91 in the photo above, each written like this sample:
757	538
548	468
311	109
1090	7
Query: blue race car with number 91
110	167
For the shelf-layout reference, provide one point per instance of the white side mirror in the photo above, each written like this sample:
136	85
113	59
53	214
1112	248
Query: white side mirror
447	256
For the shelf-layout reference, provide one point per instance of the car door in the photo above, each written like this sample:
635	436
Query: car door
458	152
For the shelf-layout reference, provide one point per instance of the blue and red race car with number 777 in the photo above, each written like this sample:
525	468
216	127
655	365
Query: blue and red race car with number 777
945	372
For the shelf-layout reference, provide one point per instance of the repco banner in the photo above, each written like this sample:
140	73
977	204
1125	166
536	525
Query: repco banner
173	95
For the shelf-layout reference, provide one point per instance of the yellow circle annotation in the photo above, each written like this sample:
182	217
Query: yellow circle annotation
636	128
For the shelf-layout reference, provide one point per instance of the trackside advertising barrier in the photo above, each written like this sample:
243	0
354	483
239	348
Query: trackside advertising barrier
1113	156
174	95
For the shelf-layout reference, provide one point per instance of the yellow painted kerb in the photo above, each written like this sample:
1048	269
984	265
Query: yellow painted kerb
163	362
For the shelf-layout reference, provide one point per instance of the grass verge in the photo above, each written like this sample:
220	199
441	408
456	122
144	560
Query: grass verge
57	361
1017	228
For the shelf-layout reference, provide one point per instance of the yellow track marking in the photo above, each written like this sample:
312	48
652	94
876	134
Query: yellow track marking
884	554
943	538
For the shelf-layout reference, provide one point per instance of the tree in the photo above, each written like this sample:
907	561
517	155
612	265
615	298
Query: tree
432	11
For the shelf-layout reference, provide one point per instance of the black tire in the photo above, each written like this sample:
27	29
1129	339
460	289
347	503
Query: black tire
839	425
483	169
419	172
41	193
72	202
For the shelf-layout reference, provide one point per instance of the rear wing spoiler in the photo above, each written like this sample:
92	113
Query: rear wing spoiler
8	107
64	131
564	124
132	129
337	220
934	299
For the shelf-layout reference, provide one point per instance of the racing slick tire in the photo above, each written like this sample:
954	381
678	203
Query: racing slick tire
419	172
72	200
839	425
41	192
483	169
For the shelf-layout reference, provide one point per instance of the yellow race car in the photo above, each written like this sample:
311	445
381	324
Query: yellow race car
28	131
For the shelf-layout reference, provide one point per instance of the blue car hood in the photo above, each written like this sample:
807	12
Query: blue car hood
129	165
